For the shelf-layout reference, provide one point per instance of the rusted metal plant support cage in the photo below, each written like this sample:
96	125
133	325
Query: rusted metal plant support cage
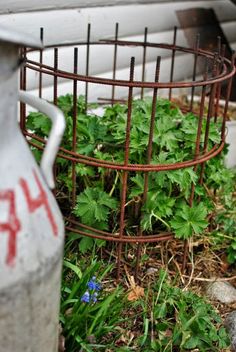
218	71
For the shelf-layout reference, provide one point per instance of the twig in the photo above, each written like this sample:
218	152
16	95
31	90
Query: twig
114	184
212	280
209	192
115	256
192	266
206	279
178	268
130	278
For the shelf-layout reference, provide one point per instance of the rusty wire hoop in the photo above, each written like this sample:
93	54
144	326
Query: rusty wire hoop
218	70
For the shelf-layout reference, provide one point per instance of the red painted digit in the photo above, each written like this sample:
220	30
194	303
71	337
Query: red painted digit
41	200
12	226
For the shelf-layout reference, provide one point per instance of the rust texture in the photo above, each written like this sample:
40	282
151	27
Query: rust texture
218	71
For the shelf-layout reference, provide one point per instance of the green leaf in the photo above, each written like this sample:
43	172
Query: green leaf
191	342
65	103
83	170
189	220
231	257
138	185
161	310
73	267
85	244
94	206
39	123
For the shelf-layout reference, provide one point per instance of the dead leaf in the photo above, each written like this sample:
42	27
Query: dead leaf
135	293
122	341
69	311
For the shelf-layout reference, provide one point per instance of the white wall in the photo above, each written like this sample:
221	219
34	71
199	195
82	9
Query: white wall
69	25
66	22
14	6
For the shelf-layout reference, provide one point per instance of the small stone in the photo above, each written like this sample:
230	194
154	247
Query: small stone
222	291
151	271
230	325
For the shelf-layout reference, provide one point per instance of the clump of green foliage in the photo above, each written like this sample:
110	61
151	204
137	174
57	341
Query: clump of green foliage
166	207
167	318
177	320
90	311
96	316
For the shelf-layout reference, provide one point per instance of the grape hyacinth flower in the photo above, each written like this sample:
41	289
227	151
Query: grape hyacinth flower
94	297
93	285
91	295
86	297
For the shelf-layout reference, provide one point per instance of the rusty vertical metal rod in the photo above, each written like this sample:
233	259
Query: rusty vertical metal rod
23	87
223	48
144	59
197	152
199	131
149	155
219	45
173	61
87	64
216	105
211	105
152	122
126	161
114	62
221	56
218	87
196	48
74	136
209	116
55	76
40	61
229	87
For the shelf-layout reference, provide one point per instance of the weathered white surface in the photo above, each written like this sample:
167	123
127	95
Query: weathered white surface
26	5
63	26
230	158
29	311
31	233
222	291
66	22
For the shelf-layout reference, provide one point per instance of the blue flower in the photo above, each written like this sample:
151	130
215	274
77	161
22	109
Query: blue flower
94	297
91	295
86	297
93	285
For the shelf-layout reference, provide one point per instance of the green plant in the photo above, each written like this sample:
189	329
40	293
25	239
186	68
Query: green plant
177	320
225	232
167	202
90	312
96	316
